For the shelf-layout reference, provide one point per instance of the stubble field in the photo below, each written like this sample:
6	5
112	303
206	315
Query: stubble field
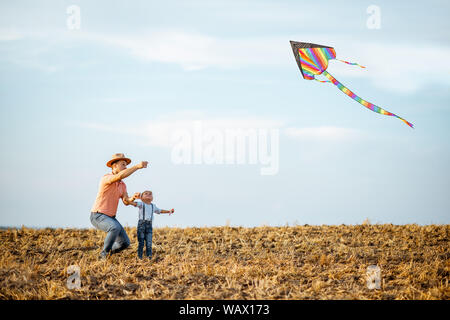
292	262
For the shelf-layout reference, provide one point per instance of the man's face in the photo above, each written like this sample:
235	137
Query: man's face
119	165
147	195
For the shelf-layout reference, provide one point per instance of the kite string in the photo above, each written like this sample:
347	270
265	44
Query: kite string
365	103
351	63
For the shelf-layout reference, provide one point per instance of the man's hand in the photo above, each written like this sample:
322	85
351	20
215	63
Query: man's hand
137	195
126	200
142	164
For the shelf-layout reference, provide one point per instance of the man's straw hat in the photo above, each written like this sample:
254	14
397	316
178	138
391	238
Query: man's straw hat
117	157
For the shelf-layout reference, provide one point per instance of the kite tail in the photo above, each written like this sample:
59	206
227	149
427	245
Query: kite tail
365	103
351	63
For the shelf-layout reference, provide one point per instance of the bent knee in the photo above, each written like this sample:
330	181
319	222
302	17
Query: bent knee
114	229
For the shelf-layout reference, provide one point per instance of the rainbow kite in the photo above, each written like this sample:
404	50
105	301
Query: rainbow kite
312	59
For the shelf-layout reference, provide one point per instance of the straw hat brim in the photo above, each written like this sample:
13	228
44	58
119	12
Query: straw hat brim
110	162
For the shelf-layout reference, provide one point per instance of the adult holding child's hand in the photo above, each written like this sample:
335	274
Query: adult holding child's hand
111	189
137	195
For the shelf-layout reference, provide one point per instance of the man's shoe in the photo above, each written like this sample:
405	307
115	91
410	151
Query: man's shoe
103	255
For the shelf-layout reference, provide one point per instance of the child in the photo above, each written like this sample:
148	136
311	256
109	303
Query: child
145	223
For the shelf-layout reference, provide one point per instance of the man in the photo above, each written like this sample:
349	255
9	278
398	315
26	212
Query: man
103	213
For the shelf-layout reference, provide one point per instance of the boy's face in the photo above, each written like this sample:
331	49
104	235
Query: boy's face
147	196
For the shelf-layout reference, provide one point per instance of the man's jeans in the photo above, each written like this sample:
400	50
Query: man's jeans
144	233
116	239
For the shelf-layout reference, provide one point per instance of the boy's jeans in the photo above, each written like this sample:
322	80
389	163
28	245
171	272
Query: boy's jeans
116	239
144	233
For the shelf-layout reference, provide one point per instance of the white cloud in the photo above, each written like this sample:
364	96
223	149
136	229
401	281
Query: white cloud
195	51
117	100
400	67
406	68
158	132
323	133
31	57
7	34
395	67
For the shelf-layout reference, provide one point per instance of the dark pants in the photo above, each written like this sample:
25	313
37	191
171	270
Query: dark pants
144	233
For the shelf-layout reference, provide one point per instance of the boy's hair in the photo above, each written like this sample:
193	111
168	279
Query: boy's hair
146	191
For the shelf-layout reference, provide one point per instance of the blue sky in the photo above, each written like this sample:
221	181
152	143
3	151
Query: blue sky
133	74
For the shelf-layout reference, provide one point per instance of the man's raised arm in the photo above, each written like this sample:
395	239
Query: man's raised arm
127	172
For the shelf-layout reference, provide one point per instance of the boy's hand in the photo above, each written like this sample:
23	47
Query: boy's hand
142	164
171	211
137	195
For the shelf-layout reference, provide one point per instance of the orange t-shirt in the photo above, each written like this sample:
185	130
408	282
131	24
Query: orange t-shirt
108	196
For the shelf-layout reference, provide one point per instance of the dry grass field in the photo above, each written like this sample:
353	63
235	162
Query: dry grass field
292	262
